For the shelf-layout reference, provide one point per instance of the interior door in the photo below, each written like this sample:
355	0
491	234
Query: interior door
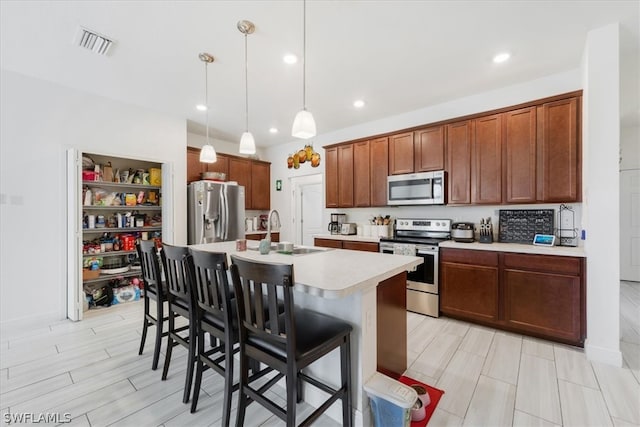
630	225
311	218
306	208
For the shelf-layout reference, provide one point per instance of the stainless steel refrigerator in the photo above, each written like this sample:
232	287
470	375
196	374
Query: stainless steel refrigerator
215	212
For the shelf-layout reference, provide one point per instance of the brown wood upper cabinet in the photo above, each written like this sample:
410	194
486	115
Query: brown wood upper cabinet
254	175
331	177
339	176
345	176
379	170
519	149
459	162
558	151
361	174
195	167
486	157
401	153
429	149
240	171
260	188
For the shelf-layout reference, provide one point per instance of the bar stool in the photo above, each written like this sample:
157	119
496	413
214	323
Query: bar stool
154	290
181	303
216	314
297	339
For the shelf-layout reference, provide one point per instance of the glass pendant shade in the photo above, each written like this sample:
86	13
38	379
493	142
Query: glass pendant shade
208	154
247	144
304	126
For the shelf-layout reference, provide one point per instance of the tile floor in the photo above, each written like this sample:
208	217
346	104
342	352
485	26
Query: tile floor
92	371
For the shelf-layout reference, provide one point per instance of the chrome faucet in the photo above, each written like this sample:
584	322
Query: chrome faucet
271	212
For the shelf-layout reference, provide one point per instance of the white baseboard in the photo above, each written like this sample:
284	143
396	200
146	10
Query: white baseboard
603	355
35	320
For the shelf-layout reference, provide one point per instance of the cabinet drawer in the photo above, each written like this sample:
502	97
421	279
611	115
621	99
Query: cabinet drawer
328	243
546	263
466	256
360	246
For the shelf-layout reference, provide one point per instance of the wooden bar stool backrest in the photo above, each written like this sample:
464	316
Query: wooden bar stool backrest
212	291
176	271
259	284
150	266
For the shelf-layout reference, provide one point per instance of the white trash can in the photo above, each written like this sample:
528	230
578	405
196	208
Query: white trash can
391	401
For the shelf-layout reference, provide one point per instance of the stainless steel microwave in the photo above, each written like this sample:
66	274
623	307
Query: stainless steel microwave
425	188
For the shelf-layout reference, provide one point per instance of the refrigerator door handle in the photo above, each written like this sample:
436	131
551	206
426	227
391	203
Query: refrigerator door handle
223	217
226	215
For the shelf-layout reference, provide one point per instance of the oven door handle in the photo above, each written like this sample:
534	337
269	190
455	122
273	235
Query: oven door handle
426	252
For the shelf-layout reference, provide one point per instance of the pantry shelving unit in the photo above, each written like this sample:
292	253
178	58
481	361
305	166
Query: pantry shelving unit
102	210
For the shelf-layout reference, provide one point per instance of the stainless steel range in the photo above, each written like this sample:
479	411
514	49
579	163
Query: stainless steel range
420	237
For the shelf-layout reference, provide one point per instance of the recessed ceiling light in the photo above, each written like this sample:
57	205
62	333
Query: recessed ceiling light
273	130
501	57
201	107
359	103
290	59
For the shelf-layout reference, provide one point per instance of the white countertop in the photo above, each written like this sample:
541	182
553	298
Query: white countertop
517	247
330	273
352	237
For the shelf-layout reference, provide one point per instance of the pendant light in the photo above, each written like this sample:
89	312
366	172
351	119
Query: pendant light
207	152
304	126
247	143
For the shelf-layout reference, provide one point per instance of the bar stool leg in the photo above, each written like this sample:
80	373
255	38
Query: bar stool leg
191	360
242	397
145	325
345	371
292	395
159	327
199	370
167	355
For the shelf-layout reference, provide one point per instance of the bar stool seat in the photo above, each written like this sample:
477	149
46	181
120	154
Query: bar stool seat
314	333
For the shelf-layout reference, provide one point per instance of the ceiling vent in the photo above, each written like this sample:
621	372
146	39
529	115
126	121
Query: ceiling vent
93	41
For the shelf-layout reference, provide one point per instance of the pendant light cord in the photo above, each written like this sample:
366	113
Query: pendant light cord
304	55
206	98
246	84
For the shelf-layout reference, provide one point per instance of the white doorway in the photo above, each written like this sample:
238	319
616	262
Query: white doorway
630	225
306	208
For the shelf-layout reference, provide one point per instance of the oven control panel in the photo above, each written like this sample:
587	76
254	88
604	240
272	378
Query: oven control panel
415	224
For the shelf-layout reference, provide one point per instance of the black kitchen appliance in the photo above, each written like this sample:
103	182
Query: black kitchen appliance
420	237
337	219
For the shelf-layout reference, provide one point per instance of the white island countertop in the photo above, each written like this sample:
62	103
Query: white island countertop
329	273
517	247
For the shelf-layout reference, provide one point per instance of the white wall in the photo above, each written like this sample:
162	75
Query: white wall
601	192
39	121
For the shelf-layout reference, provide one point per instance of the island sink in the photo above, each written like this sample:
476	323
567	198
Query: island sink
297	250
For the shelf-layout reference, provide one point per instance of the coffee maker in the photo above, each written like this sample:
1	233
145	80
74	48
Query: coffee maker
337	219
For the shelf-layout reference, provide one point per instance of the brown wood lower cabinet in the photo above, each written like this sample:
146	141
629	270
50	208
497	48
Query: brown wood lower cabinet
275	237
347	244
537	295
472	285
391	322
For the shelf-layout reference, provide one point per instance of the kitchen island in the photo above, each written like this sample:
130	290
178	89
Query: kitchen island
366	289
